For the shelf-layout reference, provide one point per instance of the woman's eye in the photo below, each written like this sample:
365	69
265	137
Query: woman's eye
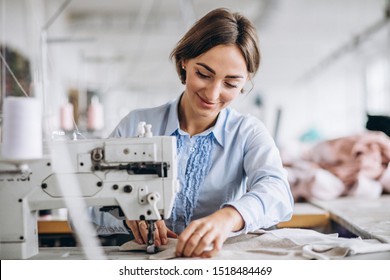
231	85
200	74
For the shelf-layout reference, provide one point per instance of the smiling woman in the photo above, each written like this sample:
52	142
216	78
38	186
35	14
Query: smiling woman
231	176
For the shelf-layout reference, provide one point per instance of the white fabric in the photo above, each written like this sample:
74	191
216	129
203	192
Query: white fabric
288	243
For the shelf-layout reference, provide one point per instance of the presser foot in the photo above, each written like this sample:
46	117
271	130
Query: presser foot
151	249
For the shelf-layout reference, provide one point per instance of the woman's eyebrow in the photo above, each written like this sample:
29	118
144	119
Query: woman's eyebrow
208	68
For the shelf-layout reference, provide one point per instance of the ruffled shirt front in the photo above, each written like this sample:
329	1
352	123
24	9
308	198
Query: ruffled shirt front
195	154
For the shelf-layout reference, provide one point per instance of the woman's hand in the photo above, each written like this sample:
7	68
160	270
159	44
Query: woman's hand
140	232
212	230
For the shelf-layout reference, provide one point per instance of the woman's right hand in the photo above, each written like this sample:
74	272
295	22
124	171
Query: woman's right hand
140	232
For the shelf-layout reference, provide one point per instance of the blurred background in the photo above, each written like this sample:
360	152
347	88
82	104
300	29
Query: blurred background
325	63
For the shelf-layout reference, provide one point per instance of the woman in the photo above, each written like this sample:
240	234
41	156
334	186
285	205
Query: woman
230	171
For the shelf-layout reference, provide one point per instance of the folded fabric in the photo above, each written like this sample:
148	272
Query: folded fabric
317	245
287	244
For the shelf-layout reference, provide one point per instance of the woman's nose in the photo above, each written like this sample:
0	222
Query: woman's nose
213	91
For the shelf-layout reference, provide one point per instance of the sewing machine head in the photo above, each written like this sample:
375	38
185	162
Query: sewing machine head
138	175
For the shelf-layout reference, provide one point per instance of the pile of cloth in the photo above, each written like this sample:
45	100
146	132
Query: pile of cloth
356	165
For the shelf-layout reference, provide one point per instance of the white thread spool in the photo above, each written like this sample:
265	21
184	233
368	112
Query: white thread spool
66	116
22	129
95	119
141	129
148	130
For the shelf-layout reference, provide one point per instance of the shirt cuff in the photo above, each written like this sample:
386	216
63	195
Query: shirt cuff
126	226
252	221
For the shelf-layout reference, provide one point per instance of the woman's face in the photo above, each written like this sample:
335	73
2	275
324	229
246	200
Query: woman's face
213	80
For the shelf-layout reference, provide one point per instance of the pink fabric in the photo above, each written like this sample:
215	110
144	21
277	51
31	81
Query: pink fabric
356	165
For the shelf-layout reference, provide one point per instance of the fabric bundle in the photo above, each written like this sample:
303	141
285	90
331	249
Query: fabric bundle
356	165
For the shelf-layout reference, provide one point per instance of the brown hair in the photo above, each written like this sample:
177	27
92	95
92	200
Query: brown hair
218	27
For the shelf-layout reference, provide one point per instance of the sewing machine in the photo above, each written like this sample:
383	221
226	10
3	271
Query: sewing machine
139	175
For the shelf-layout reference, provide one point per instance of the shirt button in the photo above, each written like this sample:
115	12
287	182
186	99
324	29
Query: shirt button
192	150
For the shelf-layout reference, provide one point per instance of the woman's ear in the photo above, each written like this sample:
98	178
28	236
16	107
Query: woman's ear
184	64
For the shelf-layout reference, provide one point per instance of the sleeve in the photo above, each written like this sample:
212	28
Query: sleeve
268	199
105	223
127	126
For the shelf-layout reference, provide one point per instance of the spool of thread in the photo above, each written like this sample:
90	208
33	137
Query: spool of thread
66	117
22	129
95	118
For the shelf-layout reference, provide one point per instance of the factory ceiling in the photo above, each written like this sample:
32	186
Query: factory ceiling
296	37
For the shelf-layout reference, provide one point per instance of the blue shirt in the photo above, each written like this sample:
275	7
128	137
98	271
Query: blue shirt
234	163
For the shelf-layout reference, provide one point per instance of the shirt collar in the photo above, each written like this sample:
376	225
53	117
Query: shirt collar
173	118
219	127
173	122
